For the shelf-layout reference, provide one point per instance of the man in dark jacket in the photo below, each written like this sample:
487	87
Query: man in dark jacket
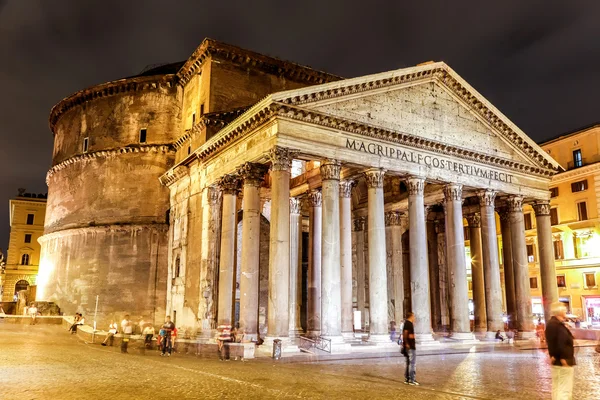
410	350
561	353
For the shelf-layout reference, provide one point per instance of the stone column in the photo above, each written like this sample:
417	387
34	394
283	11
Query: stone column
507	264
359	230
378	299
434	274
229	185
331	296
278	324
479	312
393	224
295	267
491	263
419	266
209	253
440	229
253	176
346	256
546	253
455	242
314	263
521	268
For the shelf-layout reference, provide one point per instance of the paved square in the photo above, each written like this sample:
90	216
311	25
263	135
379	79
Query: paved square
45	362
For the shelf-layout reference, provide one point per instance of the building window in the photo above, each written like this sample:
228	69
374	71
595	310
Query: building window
558	250
554	192
533	282
577	160
143	135
28	238
86	142
589	279
561	282
579	186
177	267
582	211
201	109
30	219
554	216
527	219
189	150
25	259
193	119
21	285
530	253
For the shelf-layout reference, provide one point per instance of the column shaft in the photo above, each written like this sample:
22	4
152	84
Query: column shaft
419	270
295	266
455	240
491	263
249	278
378	299
521	267
479	311
507	264
346	256
546	252
314	263
359	230
279	247
229	184
440	229
393	222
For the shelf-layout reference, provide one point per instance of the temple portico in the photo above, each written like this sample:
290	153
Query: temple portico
364	164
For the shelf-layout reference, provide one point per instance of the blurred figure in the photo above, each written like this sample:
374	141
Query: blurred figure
393	333
410	353
112	331
148	333
499	336
561	353
168	328
33	311
127	329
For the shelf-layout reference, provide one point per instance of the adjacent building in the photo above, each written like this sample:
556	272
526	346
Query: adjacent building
27	213
236	188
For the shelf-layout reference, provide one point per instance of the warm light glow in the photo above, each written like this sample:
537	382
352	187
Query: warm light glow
46	270
590	246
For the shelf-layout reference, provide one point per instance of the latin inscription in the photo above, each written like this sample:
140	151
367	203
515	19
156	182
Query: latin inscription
427	160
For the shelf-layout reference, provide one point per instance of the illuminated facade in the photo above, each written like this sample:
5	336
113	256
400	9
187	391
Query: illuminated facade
27	214
235	188
575	219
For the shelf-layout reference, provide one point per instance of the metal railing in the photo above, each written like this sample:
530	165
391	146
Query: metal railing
319	343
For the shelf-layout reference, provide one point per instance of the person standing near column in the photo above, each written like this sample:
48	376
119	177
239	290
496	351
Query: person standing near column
410	350
561	353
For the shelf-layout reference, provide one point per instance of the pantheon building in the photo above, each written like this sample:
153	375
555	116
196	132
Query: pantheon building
236	188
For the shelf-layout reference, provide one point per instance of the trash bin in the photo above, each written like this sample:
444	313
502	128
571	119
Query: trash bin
277	349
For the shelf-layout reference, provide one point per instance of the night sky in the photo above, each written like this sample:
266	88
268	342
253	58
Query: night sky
537	61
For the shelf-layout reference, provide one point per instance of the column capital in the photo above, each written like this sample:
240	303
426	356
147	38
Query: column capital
453	192
359	224
229	184
252	174
213	195
315	198
514	203
346	187
474	220
374	177
503	214
415	185
392	218
281	158
330	170
541	208
295	205
486	197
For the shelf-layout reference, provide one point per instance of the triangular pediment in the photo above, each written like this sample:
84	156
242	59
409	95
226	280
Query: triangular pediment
430	102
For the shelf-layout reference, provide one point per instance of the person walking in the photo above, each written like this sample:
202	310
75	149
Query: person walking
112	331
127	329
168	328
410	350
561	352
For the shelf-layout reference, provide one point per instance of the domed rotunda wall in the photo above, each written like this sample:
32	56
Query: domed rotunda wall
106	220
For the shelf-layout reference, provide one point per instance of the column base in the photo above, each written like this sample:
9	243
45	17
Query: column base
380	338
526	335
286	345
348	336
463	337
294	333
313	334
425	339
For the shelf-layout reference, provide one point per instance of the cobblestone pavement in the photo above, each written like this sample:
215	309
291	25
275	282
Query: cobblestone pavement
45	362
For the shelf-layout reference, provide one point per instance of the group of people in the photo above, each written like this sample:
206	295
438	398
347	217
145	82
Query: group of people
561	352
225	338
165	340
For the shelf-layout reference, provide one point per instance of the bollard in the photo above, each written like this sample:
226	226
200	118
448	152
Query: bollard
277	349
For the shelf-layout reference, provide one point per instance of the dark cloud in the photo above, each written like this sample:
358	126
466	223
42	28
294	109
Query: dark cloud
537	61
